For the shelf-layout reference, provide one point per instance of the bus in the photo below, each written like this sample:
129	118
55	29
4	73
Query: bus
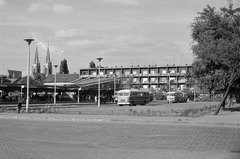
176	97
133	97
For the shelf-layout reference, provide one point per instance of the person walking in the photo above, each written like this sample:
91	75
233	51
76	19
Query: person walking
20	101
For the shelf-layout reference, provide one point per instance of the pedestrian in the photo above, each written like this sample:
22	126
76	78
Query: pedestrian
96	99
20	101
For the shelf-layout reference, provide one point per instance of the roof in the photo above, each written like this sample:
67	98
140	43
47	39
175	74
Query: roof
13	80
65	78
14	74
84	82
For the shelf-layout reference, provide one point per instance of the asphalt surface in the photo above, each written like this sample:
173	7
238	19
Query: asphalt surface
50	136
61	138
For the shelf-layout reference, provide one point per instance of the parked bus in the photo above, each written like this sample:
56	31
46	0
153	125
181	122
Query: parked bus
176	97
133	97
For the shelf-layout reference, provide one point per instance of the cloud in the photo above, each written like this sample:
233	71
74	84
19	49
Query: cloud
124	2
43	46
81	43
61	8
55	7
2	2
66	33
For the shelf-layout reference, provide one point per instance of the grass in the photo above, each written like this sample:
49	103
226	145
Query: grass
152	110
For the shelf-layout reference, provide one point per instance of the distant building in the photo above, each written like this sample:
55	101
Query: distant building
140	77
36	68
61	79
48	63
13	75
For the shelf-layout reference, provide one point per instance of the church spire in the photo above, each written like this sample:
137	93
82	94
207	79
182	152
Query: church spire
36	64
48	55
48	64
36	60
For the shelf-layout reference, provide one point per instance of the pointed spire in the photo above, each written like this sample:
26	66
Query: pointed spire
48	54
36	60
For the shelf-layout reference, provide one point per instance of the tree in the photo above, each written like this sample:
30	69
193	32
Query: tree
216	46
92	65
32	81
64	67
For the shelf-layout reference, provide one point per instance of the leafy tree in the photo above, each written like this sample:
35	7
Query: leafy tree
31	81
64	67
216	46
39	77
92	65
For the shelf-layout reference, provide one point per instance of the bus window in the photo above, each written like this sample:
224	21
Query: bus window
126	94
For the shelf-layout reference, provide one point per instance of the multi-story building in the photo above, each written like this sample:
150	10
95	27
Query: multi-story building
144	77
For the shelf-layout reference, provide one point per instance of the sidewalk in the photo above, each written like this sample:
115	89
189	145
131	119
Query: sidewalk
224	118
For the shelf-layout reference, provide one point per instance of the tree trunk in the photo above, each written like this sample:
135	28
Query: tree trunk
222	103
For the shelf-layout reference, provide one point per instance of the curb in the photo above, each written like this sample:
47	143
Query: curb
177	121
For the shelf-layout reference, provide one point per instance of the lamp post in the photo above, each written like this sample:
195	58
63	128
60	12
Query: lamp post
99	60
28	40
21	90
114	86
79	89
169	89
55	88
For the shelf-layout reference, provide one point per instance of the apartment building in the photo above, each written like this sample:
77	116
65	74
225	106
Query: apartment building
143	76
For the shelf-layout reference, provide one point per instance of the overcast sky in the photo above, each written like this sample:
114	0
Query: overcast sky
122	32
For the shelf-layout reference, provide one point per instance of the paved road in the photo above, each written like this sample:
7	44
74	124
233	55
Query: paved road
48	139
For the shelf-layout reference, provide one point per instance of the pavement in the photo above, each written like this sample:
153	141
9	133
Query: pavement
224	118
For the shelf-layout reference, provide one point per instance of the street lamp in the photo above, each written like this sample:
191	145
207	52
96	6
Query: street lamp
55	84
169	89
79	89
28	40
99	60
21	90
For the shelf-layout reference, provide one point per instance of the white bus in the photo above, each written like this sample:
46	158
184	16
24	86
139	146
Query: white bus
176	97
133	97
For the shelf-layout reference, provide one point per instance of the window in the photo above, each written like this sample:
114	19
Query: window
145	80
145	72
135	72
153	72
123	94
127	73
164	71
153	79
183	72
145	86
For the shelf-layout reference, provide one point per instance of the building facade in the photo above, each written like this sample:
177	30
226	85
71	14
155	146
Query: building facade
144	77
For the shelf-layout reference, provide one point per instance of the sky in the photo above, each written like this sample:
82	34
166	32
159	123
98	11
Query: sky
123	32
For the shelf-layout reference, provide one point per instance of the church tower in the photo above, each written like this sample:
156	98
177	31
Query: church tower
48	64
36	64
